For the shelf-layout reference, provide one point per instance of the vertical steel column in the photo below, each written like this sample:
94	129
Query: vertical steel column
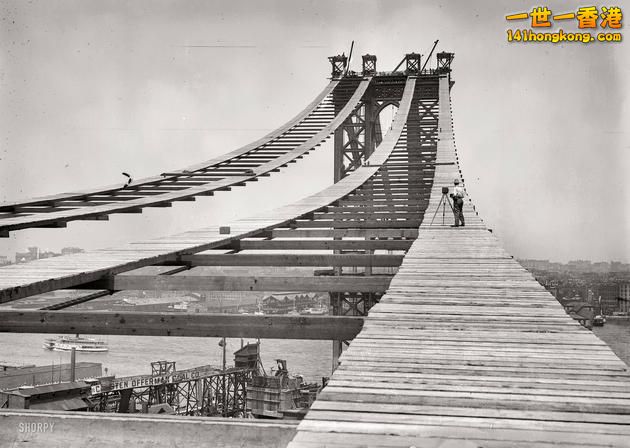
354	143
371	119
339	172
337	310
357	138
351	304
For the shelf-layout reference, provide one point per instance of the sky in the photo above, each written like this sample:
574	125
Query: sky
89	89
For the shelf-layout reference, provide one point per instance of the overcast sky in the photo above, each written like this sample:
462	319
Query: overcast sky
92	88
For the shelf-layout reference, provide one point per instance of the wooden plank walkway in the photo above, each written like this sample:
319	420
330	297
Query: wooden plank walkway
466	349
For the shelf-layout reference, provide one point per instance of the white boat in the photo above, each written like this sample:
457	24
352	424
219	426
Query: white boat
81	344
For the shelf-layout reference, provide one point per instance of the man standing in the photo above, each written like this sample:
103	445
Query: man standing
458	203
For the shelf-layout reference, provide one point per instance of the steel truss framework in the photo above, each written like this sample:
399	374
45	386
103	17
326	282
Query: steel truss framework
410	163
218	394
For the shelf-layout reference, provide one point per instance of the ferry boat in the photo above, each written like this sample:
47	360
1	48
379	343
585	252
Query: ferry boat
81	344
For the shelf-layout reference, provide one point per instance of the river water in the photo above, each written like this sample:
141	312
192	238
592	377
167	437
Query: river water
616	333
132	355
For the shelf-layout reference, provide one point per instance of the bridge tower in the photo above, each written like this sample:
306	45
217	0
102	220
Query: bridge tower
354	142
358	137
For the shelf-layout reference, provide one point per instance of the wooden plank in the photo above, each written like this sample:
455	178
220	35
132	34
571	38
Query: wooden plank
324	244
76	300
524	391
358	224
248	283
106	430
531	415
181	324
482	400
292	260
469	421
345	233
506	436
368	215
309	438
532	382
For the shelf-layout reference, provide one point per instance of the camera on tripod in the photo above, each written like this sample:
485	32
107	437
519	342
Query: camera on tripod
442	204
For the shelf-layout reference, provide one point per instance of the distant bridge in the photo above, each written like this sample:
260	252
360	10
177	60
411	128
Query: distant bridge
461	347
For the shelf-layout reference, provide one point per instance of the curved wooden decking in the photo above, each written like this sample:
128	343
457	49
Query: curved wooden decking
467	349
276	150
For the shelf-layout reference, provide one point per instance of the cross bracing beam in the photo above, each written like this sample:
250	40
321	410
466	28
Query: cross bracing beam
242	283
341	233
359	224
181	324
313	244
319	260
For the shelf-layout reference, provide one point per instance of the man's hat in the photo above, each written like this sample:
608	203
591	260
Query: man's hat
456	181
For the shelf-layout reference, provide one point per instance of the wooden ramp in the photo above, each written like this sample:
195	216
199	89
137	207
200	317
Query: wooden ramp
466	349
285	145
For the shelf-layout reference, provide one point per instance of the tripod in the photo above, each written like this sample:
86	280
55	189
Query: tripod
443	201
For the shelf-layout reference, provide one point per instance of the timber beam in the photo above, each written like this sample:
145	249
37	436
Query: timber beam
181	324
349	233
107	430
362	207
367	224
241	283
369	215
324	244
293	260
